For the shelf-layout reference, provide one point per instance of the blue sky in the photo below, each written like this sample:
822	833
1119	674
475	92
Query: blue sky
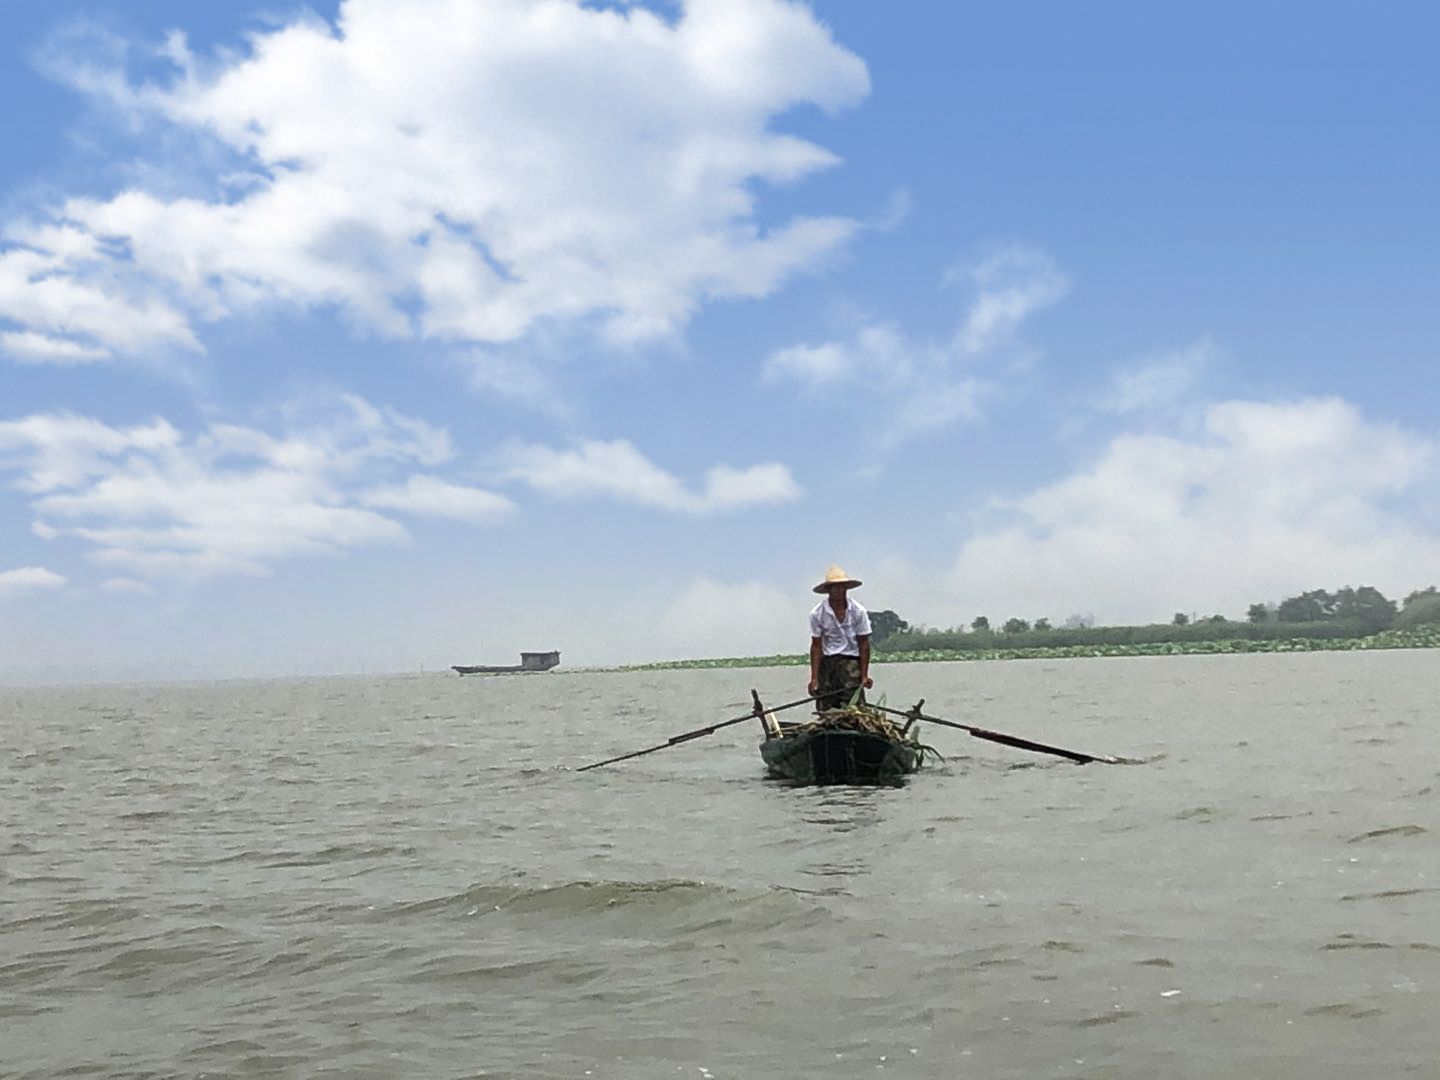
380	335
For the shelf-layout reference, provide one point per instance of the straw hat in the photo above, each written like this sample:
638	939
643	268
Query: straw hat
836	576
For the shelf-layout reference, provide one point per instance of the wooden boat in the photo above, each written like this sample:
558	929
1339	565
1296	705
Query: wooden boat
529	661
855	745
859	744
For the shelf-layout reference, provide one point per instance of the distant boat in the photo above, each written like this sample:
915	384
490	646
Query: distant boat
529	661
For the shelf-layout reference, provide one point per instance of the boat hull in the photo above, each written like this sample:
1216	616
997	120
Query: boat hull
529	662
839	757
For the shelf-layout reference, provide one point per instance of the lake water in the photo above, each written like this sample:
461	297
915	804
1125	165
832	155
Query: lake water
404	877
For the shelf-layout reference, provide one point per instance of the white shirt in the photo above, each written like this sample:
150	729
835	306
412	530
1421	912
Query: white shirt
838	638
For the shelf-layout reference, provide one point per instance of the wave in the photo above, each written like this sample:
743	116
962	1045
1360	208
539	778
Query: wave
1396	830
333	853
1391	894
572	896
698	905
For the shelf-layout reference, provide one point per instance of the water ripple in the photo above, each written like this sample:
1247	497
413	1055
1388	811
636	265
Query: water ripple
393	877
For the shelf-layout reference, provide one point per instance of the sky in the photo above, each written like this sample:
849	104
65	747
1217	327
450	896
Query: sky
385	335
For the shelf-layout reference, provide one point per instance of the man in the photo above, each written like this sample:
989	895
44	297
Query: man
839	643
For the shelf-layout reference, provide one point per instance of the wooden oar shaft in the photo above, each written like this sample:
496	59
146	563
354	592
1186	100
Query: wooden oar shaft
1027	744
675	740
1007	740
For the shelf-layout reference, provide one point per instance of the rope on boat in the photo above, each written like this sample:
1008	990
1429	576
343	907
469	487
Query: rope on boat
865	719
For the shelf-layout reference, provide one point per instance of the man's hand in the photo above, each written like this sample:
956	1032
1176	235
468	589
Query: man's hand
869	683
814	687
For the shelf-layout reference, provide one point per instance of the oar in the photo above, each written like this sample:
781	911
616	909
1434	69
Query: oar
999	737
698	732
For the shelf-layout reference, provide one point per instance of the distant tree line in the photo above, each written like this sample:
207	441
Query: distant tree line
885	625
1364	606
1347	613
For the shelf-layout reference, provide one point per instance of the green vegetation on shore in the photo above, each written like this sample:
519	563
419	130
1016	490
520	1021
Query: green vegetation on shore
1314	621
1427	637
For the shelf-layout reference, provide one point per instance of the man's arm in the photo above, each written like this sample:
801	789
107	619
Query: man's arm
814	665
864	642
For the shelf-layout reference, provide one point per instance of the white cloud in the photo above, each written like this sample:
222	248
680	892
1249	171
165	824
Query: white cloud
125	585
735	489
913	385
153	503
909	388
1272	499
619	471
898	207
31	347
812	365
464	171
76	307
429	496
1159	382
1011	285
27	579
712	618
55	451
876	356
527	382
944	405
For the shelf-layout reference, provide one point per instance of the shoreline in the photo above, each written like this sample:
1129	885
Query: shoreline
1422	638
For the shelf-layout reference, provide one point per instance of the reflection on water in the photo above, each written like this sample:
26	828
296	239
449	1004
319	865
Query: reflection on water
848	817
